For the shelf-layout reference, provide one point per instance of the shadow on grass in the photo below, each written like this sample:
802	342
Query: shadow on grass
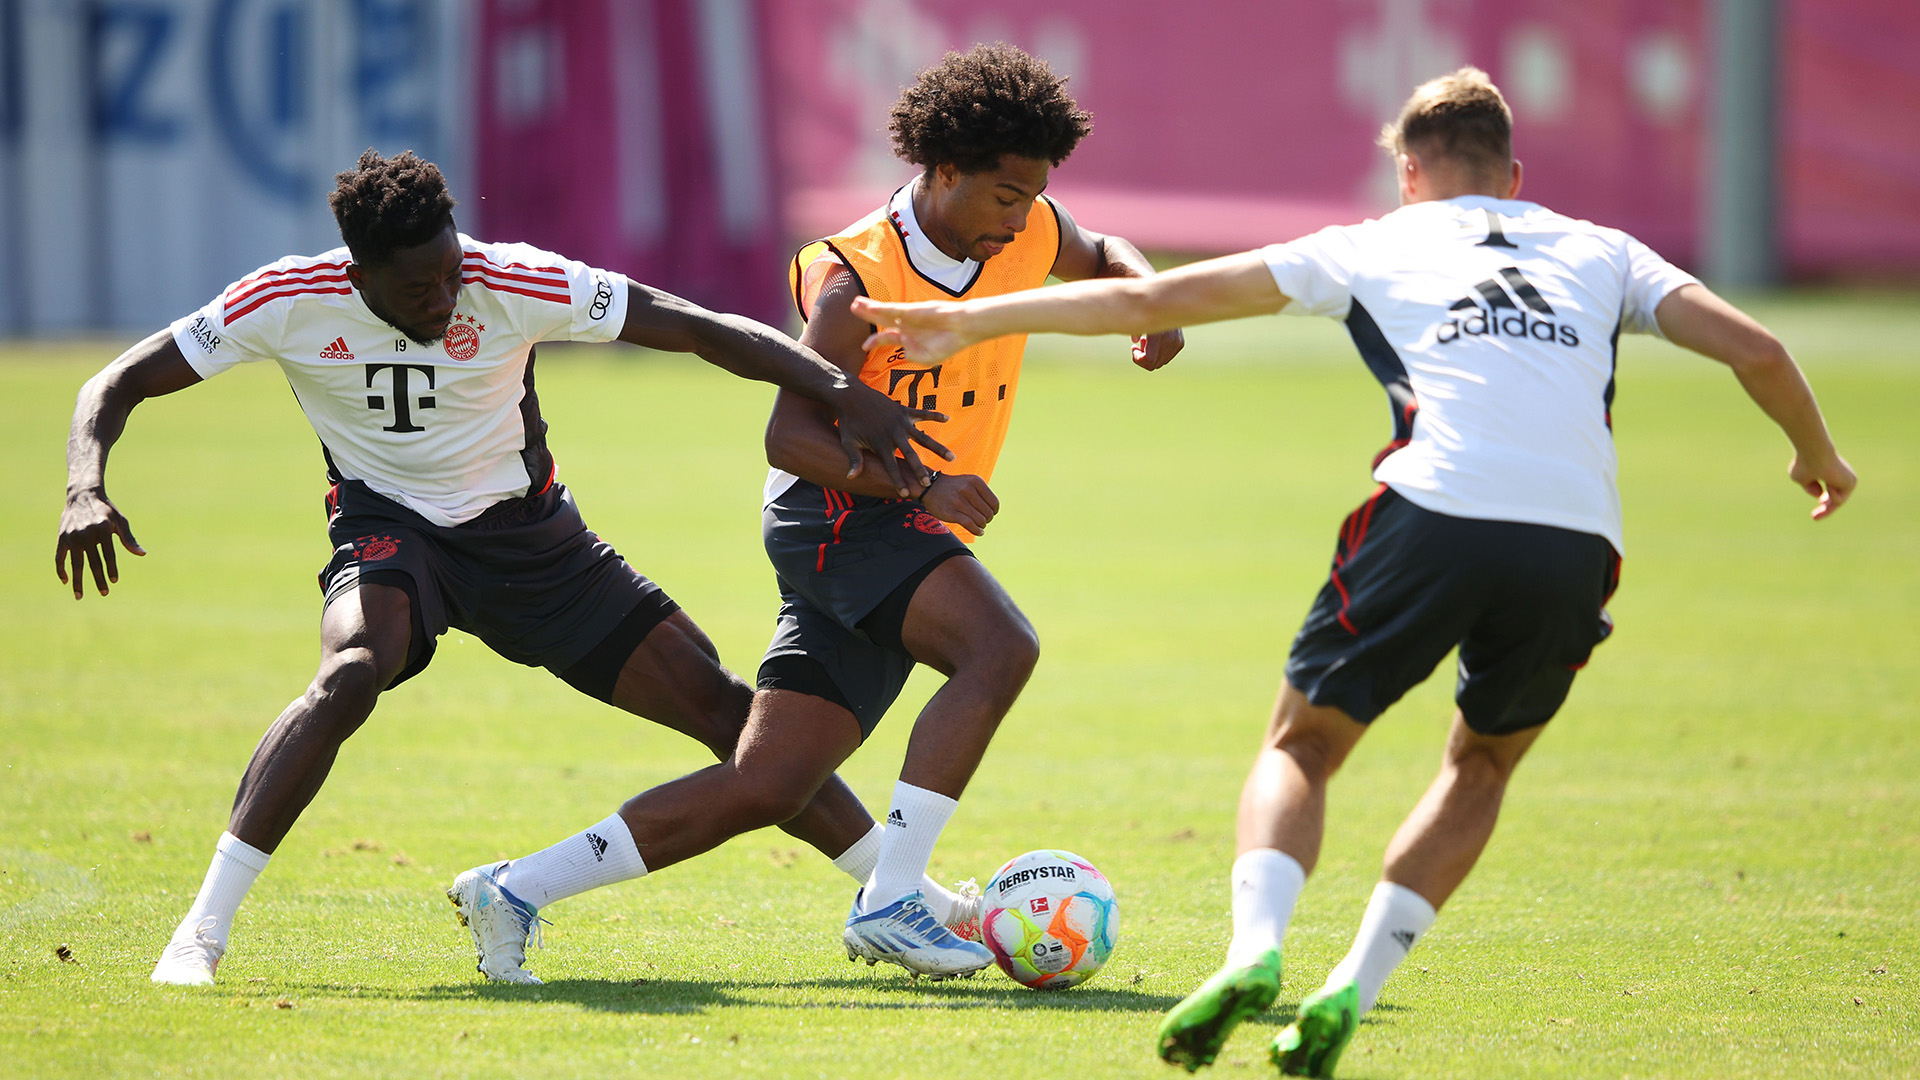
670	996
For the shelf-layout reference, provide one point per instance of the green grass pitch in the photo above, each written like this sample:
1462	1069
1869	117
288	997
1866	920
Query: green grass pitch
1709	866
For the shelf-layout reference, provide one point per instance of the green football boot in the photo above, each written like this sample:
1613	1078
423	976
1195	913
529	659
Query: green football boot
1311	1045
1195	1029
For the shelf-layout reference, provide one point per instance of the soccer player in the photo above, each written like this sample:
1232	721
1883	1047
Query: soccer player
872	583
411	351
1496	527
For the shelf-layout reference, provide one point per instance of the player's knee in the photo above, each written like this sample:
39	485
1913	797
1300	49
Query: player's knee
1316	755
769	800
723	716
1012	654
1023	648
346	687
1479	768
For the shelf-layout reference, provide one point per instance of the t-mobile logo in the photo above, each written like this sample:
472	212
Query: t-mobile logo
403	402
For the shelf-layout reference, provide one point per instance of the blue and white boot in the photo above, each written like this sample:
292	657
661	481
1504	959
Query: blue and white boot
501	924
906	933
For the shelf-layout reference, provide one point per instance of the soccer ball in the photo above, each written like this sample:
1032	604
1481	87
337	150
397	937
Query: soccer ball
1051	920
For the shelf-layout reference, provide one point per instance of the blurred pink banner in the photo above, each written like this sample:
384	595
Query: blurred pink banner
1850	137
1221	126
691	143
633	134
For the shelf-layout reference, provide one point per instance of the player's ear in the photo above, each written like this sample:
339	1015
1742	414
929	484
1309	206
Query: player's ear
1514	191
1408	174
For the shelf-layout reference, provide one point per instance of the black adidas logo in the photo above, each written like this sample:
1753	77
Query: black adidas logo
897	818
1495	314
599	847
1405	938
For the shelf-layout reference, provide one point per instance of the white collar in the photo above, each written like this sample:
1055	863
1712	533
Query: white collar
951	274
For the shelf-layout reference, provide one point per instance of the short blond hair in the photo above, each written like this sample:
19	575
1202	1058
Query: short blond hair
1459	115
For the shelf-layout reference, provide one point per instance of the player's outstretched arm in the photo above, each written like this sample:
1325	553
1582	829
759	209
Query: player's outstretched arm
1233	287
1693	317
867	419
90	521
1085	254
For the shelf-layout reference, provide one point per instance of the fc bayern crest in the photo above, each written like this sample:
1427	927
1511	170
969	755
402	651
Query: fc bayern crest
926	523
376	548
462	340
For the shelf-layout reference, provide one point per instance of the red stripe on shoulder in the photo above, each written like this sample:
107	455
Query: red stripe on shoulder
283	271
480	256
497	286
501	275
240	292
233	316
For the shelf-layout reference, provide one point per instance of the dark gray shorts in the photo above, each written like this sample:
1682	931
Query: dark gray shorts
848	566
527	577
1526	604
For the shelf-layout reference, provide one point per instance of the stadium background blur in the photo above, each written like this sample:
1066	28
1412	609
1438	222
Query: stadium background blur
151	151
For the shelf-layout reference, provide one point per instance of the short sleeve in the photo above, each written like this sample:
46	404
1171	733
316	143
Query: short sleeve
1649	279
211	345
1315	272
599	303
551	298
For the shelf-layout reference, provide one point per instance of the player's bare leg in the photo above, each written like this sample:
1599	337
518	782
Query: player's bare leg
1283	804
779	751
675	678
789	749
962	624
1281	822
364	637
1431	854
1438	844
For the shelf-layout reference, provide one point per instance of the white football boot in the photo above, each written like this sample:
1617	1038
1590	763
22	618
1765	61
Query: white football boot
190	960
906	933
501	924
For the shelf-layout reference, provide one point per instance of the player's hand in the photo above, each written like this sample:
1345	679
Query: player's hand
1152	352
87	528
870	420
962	499
928	331
1829	479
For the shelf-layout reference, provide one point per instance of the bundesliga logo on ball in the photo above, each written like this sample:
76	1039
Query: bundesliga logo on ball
1051	920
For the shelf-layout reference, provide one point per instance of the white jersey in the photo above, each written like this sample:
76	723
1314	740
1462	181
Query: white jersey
1494	326
446	429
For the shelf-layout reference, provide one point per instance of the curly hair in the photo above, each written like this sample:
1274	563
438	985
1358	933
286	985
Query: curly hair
385	204
974	107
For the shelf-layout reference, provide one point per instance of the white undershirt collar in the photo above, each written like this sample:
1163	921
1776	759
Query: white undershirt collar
953	275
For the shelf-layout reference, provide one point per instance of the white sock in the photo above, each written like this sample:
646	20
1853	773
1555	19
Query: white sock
913	827
1266	883
1395	919
235	865
602	855
858	861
